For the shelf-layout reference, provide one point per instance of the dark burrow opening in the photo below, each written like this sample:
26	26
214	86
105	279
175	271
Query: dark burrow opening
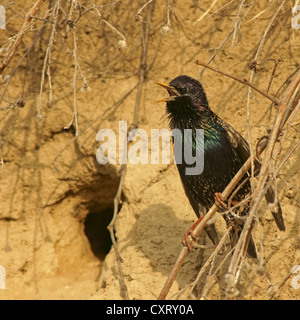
95	228
97	193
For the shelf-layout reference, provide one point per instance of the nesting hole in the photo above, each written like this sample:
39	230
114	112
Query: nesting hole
95	228
96	207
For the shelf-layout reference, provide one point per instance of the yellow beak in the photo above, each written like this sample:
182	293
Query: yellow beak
171	90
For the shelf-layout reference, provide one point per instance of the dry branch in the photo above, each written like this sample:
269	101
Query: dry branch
258	51
206	12
111	226
243	81
47	60
143	65
259	190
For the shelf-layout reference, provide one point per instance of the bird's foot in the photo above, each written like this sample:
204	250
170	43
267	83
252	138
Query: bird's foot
219	201
188	233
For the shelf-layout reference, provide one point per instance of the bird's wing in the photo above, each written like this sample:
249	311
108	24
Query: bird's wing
242	149
238	143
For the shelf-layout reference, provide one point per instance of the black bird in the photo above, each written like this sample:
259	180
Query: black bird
225	151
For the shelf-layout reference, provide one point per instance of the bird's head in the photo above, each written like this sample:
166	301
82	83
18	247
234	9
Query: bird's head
186	96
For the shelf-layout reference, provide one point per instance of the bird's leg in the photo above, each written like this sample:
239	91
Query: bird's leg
190	232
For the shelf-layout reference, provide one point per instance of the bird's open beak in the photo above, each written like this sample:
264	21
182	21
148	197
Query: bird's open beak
173	92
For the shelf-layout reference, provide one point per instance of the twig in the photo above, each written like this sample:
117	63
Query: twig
143	66
244	81
74	113
206	12
286	278
47	60
28	18
207	285
216	51
142	8
21	60
76	65
210	259
237	24
259	190
276	62
239	254
294	148
74	81
115	30
296	97
259	49
94	7
221	8
110	228
256	16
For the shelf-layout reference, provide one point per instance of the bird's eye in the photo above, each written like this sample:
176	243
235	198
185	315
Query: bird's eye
183	90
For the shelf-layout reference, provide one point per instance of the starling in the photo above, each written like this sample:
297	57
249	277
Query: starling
225	151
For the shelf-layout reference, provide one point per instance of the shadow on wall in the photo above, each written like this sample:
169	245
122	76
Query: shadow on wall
157	233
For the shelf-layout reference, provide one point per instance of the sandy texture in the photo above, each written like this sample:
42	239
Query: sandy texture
44	247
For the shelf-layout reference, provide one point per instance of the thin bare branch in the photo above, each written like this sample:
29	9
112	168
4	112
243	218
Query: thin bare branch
258	51
206	12
143	66
243	81
111	226
47	60
27	20
259	190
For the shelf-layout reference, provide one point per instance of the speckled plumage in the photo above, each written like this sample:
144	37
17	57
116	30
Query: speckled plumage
225	151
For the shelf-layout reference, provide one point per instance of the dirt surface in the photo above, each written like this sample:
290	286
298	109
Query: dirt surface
51	183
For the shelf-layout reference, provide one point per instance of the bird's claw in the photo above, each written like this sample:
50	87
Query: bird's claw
188	233
187	241
219	201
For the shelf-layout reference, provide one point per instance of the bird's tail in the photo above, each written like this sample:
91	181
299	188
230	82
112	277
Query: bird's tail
212	233
275	208
235	235
273	203
251	250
